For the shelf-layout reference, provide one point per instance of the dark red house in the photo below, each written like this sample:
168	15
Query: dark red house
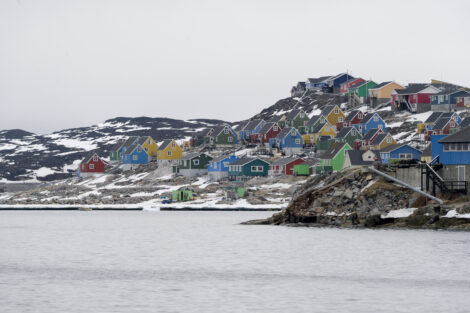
285	166
268	131
354	117
442	127
92	165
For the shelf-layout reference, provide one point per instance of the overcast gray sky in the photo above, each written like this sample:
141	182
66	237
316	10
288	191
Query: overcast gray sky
75	63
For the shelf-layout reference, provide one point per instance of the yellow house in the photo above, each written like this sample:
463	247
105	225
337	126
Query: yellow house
382	141
324	129
169	150
150	146
383	91
333	114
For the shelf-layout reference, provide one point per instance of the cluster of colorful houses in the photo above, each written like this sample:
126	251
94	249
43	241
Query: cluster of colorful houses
415	97
339	140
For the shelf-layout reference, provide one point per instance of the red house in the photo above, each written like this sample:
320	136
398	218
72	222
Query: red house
414	98
462	102
442	127
344	87
92	165
368	138
285	166
268	131
354	117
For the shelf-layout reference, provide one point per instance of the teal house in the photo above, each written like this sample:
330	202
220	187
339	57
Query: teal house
247	168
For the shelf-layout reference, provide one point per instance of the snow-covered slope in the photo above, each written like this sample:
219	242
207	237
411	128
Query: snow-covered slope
31	157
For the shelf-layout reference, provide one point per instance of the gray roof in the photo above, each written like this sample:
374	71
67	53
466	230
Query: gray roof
275	118
219	129
327	109
461	136
292	114
142	140
284	161
355	156
241	126
131	148
345	131
130	141
252	124
377	140
246	160
351	115
317	128
371	133
221	157
333	150
313	120
267	127
380	85
449	91
367	117
88	156
191	155
448	114
433	117
393	147
465	122
285	132
165	143
441	123
118	145
411	89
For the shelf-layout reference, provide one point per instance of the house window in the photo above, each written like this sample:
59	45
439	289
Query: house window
196	162
134	157
376	118
389	140
452	124
168	153
446	147
230	139
173	145
149	142
95	158
406	156
226	131
340	119
139	150
91	166
146	149
380	126
293	133
297	141
275	128
225	164
359	115
353	132
336	111
256	169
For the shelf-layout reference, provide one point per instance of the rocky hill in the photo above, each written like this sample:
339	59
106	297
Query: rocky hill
26	156
29	157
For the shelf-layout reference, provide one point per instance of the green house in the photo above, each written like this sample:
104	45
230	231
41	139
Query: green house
182	195
362	90
247	168
312	123
115	153
298	119
222	135
304	169
333	158
193	164
348	134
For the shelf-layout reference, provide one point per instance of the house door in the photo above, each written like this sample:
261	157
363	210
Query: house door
461	173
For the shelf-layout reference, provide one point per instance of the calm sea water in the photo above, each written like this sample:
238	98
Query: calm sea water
207	262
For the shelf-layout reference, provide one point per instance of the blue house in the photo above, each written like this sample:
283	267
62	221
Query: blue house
453	152
218	167
370	121
334	83
289	140
252	128
446	100
399	152
316	83
134	156
129	142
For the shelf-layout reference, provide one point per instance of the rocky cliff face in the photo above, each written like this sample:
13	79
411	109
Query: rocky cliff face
357	199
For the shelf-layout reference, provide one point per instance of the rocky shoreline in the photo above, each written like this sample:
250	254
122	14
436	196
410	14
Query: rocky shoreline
357	199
